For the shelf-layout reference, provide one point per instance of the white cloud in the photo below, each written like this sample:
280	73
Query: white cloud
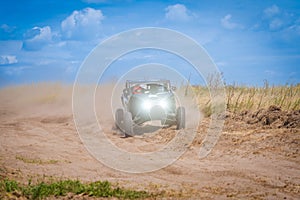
278	19
8	59
274	17
38	38
294	28
83	24
7	29
226	22
177	12
271	11
276	24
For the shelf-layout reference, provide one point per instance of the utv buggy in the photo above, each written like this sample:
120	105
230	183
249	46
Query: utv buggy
147	101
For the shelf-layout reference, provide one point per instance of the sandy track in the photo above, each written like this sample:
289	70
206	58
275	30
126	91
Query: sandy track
38	137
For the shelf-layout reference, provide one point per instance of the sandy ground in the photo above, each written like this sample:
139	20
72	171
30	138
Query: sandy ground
38	139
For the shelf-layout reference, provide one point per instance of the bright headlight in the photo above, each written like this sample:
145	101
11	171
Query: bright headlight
163	103
147	104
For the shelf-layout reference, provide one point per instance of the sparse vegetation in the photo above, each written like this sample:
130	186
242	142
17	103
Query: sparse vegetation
11	188
242	98
254	98
36	161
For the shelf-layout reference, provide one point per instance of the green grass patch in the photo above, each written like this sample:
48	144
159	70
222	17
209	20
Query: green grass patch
63	187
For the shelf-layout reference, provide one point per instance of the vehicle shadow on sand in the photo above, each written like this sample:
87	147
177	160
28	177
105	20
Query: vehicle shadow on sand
140	130
147	128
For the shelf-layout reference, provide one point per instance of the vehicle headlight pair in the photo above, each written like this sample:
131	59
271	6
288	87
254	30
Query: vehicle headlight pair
148	104
163	103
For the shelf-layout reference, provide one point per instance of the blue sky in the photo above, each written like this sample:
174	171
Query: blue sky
250	41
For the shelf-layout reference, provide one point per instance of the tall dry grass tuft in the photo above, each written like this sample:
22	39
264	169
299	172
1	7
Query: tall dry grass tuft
242	98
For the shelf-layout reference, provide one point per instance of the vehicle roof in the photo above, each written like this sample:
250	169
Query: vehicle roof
147	81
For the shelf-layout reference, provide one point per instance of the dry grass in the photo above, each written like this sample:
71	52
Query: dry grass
241	98
253	98
36	160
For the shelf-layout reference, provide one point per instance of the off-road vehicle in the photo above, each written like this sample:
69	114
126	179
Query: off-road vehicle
147	101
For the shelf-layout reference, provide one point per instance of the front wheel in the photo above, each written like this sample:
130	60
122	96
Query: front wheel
128	123
180	118
119	118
